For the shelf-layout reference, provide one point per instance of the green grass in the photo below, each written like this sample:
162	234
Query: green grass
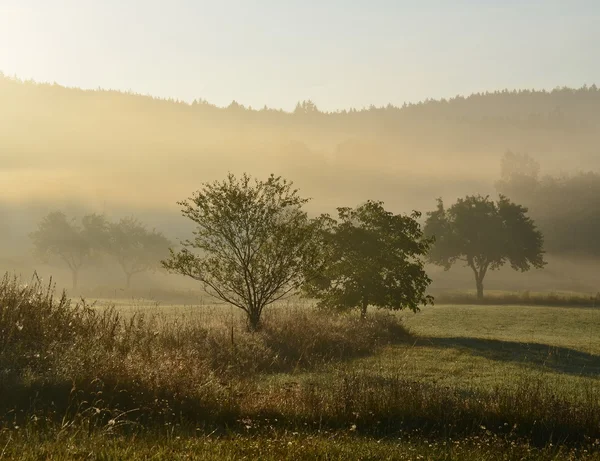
494	352
272	446
488	346
501	345
555	326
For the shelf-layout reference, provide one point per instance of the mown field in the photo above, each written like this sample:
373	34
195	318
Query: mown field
152	381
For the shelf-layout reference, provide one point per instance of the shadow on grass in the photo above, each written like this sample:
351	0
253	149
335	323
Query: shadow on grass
560	359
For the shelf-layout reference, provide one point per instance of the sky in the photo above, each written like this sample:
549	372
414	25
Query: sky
338	53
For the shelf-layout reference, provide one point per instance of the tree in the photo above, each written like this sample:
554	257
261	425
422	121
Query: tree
135	248
256	243
73	244
485	235
372	257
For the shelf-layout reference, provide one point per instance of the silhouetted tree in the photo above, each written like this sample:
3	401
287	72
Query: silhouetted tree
485	235
135	248
76	245
372	257
255	242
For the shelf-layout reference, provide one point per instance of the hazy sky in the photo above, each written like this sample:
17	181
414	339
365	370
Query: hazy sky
339	53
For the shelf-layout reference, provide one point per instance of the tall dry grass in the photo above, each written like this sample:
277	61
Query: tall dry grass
63	359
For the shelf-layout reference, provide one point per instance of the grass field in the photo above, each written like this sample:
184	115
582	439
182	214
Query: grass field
181	382
483	347
278	446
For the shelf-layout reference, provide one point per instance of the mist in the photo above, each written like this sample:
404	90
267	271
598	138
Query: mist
124	154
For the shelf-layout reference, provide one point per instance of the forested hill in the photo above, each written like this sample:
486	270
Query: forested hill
131	150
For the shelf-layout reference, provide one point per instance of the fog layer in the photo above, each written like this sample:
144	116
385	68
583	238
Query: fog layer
123	154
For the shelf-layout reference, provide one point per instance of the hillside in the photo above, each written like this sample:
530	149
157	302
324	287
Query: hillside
133	151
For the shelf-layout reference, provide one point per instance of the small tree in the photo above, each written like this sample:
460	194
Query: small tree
372	257
73	244
135	248
485	235
255	242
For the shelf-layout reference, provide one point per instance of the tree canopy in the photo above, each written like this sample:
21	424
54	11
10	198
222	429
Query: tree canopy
485	235
136	248
372	257
253	243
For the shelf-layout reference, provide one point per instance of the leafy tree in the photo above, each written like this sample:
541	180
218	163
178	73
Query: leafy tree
485	235
76	245
135	248
255	242
372	257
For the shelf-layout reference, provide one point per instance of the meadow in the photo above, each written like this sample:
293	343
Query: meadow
141	379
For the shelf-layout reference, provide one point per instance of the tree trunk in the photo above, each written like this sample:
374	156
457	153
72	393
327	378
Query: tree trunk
479	284
254	319
363	309
75	279
479	272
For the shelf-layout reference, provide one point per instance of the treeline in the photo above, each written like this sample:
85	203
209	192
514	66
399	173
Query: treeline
69	145
504	103
480	123
490	113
